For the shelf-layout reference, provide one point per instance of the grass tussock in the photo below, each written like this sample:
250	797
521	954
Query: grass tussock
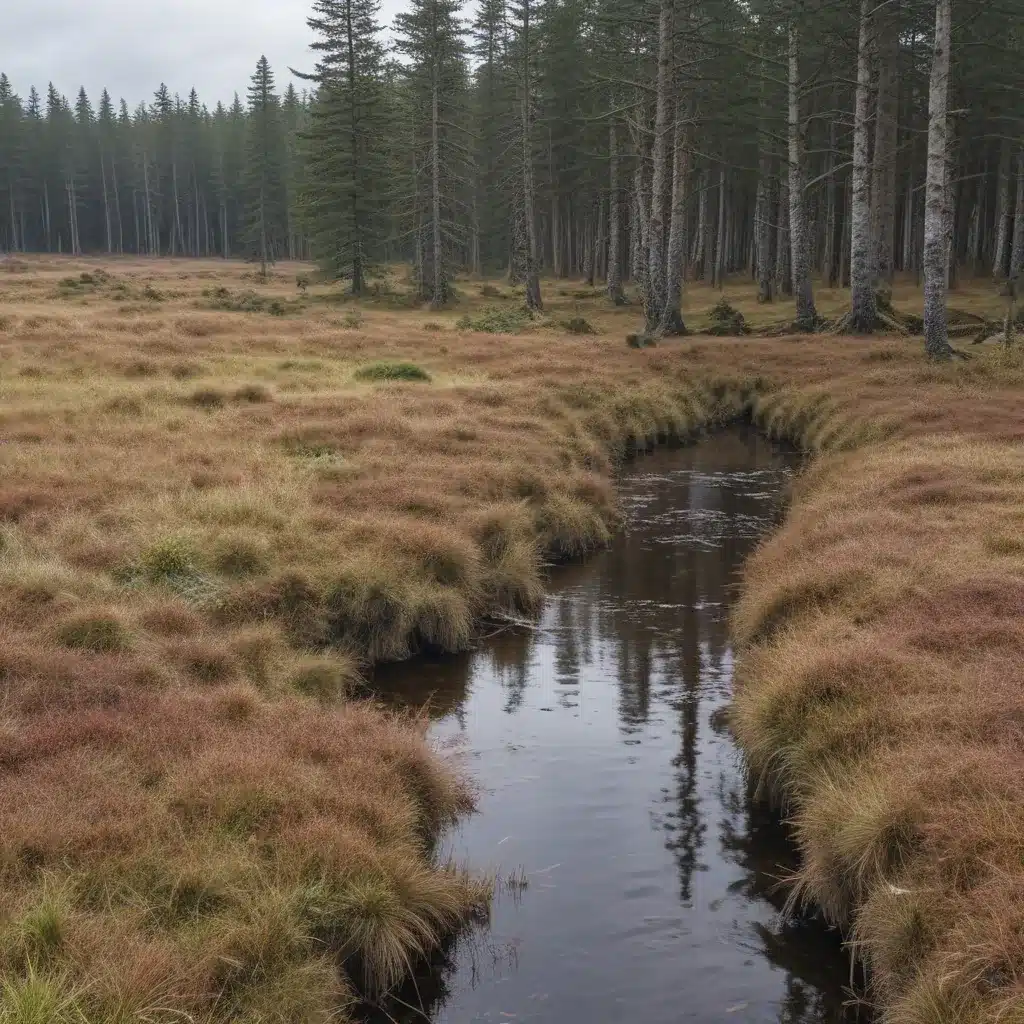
210	525
388	371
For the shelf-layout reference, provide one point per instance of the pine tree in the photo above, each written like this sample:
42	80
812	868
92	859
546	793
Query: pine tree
265	219
430	35
344	198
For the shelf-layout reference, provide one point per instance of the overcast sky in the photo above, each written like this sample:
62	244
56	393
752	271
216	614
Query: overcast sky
131	47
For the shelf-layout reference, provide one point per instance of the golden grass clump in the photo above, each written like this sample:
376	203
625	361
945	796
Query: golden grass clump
220	503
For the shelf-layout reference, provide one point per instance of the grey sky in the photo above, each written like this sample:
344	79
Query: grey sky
130	47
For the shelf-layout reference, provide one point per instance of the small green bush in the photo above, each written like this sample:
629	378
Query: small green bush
496	321
578	325
726	321
392	371
169	560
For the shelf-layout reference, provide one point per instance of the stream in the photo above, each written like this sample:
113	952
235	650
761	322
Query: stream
639	877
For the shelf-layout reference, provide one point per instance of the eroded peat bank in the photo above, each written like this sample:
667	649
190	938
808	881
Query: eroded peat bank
222	503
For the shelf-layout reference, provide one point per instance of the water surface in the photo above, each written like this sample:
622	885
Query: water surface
608	779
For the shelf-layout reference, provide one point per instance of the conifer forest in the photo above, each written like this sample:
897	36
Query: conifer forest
652	140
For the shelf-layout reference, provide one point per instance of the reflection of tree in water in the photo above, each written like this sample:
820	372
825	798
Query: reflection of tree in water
754	838
510	654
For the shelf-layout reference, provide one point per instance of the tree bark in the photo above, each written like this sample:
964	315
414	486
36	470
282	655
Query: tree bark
862	284
720	244
762	234
830	268
534	302
883	194
1002	225
1017	251
440	286
655	294
783	278
697	256
935	326
675	260
806	314
613	280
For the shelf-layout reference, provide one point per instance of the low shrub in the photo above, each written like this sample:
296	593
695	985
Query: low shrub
726	321
385	371
496	321
578	325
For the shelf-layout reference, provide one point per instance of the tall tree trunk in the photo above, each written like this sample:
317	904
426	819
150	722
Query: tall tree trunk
1002	225
675	260
1017	251
862	284
806	314
533	297
762	232
883	189
117	206
935	328
654	297
177	213
150	246
106	204
907	262
783	277
46	216
697	253
440	285
135	217
613	280
830	268
720	245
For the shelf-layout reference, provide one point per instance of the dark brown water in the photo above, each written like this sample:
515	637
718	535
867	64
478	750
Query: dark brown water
607	777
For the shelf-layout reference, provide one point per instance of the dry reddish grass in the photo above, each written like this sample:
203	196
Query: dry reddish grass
209	526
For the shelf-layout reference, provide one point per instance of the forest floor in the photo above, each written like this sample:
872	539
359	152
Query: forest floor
222	499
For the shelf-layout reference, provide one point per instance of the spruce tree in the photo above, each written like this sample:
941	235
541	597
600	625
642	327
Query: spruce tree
430	35
265	217
344	197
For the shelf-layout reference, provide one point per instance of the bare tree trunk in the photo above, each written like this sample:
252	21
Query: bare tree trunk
1002	225
697	245
806	314
829	256
46	216
440	295
783	277
106	204
935	328
177	210
534	302
117	206
720	245
641	227
675	260
613	280
883	195
908	226
762	233
149	206
862	284
654	296
1017	251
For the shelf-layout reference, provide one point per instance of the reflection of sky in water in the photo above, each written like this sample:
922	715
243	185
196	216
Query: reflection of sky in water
606	775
